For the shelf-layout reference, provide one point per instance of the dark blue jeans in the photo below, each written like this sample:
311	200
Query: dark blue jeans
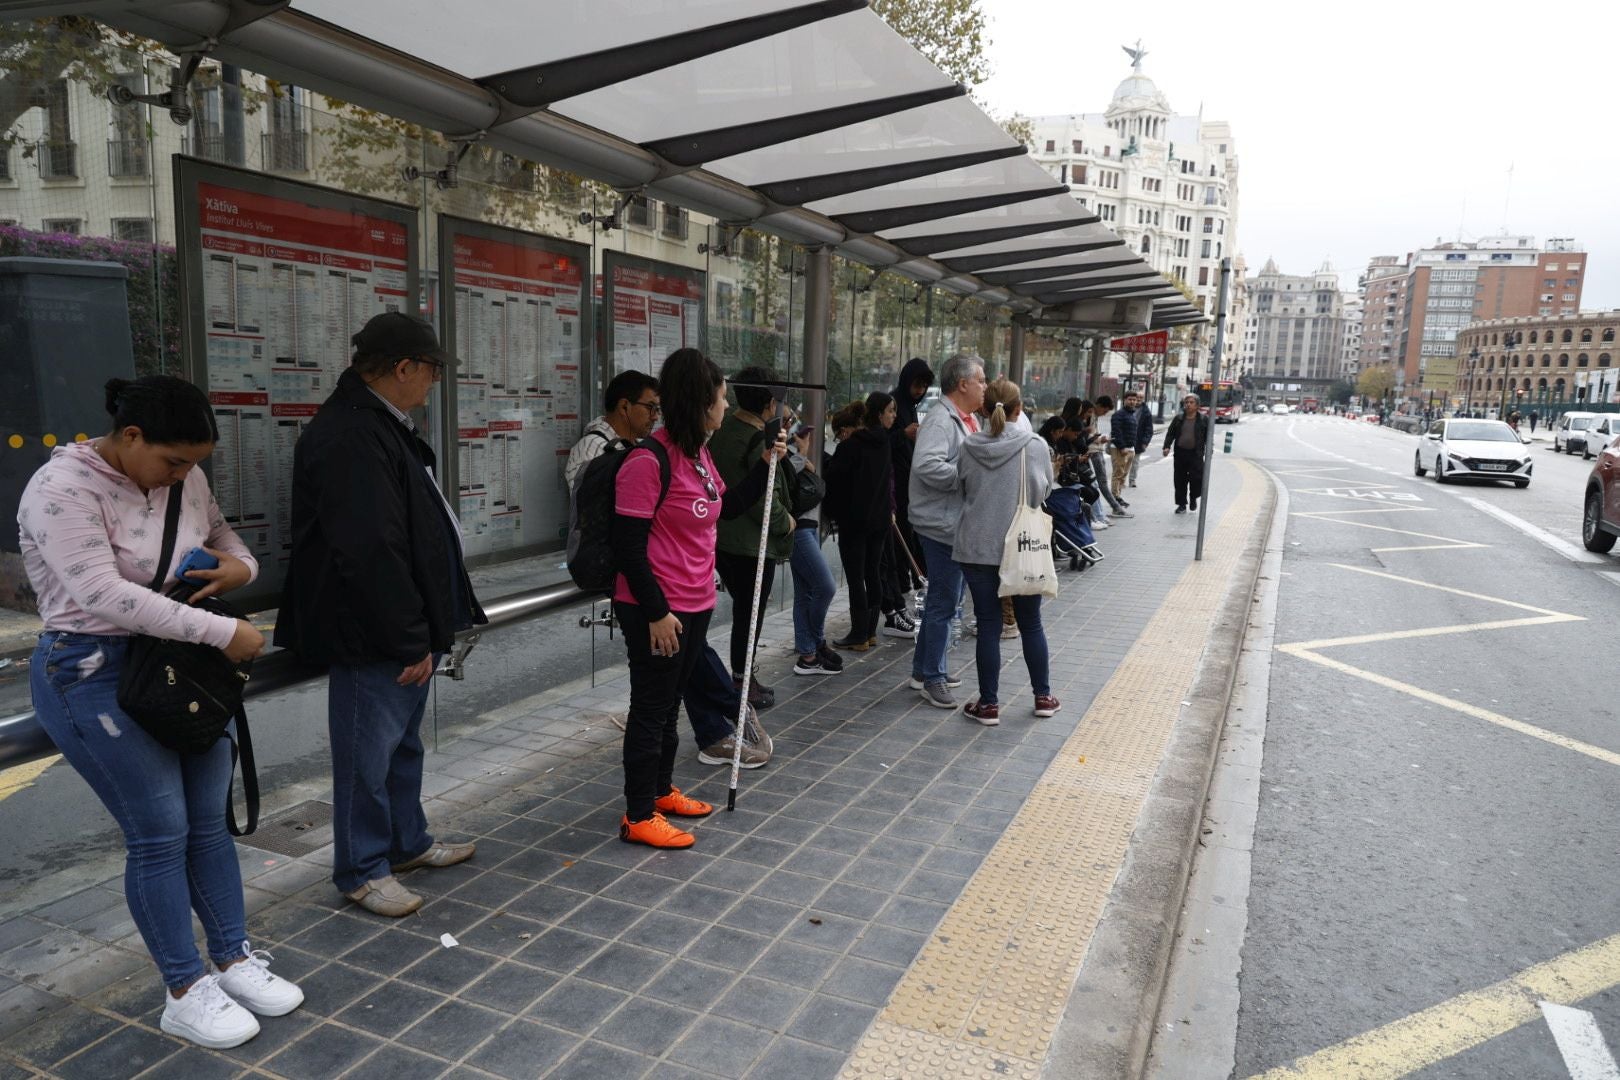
179	858
710	697
939	608
984	583
813	590
376	732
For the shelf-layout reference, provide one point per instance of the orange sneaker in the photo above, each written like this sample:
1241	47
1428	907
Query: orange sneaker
682	806
654	832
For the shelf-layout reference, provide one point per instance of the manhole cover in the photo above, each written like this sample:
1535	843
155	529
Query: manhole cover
296	831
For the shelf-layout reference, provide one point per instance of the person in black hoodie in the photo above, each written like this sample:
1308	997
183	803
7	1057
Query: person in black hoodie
862	473
915	379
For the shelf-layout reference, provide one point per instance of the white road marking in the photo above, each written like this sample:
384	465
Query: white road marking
1580	1041
1541	536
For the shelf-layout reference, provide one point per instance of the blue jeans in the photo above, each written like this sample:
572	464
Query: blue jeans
376	733
939	608
710	697
984	582
179	858
812	590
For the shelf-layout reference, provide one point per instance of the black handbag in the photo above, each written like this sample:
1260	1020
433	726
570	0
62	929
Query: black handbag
184	694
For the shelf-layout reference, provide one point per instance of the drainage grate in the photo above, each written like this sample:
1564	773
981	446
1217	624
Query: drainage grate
296	831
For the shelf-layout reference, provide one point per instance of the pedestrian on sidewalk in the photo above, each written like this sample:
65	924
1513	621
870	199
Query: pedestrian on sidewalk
90	526
376	591
1124	434
813	586
936	506
630	411
735	448
915	379
664	547
1186	436
1534	417
860	474
990	463
1144	436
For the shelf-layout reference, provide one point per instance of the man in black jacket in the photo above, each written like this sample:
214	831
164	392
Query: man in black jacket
1186	435
376	590
915	379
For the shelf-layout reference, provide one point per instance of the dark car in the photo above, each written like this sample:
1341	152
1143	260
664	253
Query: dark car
1600	518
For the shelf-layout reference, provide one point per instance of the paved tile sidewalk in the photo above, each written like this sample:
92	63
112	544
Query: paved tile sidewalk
765	951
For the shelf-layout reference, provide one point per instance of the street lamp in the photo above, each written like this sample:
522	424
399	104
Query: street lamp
1473	373
1510	341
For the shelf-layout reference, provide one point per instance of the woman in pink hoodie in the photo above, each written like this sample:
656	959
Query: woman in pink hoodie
91	525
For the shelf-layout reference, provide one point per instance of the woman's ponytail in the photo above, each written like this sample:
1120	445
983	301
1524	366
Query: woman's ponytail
998	420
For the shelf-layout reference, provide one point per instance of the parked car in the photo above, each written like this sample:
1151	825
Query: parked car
1600	511
1484	449
1570	431
1600	433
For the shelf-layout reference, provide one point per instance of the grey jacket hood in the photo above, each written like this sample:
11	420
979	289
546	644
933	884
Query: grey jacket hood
989	474
993	452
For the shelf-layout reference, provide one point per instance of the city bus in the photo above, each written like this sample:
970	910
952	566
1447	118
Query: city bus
1227	406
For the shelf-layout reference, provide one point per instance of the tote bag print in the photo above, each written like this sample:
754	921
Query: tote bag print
1026	553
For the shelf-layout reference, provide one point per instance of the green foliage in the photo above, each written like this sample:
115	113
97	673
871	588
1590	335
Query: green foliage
951	33
1340	392
1376	382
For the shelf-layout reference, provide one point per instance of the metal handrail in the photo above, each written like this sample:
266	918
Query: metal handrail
22	739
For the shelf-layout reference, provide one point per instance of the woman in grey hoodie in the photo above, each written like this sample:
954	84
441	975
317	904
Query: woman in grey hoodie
988	468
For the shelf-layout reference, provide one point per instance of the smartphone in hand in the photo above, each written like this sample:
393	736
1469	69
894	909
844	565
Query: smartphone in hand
196	559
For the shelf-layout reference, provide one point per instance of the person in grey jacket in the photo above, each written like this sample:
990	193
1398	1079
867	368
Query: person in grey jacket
936	504
989	468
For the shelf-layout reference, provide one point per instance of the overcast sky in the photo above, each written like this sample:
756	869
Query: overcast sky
1370	135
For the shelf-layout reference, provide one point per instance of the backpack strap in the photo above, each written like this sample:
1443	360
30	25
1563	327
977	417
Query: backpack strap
242	746
171	529
656	448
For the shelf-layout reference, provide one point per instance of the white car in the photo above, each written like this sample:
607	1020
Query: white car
1570	432
1598	434
1482	449
1280	409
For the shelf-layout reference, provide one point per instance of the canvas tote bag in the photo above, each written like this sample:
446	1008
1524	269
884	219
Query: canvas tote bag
1026	554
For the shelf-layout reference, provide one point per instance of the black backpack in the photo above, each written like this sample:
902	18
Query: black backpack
590	513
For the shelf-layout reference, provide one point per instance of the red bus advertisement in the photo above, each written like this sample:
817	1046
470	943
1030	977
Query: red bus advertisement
1225	407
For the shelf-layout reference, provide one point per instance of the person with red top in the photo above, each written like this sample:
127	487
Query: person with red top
664	543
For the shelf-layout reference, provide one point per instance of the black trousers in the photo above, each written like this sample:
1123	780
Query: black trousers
862	556
656	682
1189	475
737	573
893	597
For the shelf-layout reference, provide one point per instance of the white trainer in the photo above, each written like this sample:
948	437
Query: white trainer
207	1016
256	988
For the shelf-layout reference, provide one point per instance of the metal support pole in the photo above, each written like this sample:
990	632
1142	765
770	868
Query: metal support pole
1099	349
817	316
1215	384
1015	362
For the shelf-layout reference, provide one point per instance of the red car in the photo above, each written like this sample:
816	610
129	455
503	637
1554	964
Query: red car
1600	518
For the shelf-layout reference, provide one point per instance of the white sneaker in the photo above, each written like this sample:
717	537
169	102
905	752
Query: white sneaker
207	1016
251	983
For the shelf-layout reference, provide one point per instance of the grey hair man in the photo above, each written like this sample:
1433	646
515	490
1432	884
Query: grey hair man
936	504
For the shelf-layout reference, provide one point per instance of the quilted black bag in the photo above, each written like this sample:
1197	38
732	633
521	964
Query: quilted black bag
184	694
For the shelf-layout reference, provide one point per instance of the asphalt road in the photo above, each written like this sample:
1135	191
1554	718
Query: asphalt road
1436	810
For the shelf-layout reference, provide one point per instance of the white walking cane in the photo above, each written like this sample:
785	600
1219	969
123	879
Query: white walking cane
753	633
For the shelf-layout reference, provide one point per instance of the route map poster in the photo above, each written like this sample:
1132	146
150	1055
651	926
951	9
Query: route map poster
279	275
516	319
654	308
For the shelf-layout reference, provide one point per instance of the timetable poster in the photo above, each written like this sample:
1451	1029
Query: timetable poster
285	280
516	319
655	308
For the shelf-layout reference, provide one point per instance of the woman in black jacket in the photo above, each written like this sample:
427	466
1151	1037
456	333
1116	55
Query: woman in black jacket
862	477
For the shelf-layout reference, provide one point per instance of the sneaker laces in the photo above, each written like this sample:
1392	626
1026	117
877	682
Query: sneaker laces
211	998
255	965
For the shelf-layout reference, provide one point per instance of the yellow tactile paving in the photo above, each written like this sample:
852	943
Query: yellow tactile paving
985	994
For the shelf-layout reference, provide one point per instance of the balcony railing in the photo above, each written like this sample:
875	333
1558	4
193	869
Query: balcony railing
128	157
214	147
285	151
59	160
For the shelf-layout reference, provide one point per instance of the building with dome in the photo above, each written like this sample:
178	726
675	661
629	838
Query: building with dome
1166	183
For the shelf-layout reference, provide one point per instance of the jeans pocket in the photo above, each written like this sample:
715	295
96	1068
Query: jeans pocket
71	664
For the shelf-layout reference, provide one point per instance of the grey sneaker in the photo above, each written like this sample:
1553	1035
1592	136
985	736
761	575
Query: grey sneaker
721	752
386	896
438	855
936	694
952	681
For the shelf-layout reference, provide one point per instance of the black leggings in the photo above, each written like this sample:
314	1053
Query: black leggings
650	735
862	556
737	573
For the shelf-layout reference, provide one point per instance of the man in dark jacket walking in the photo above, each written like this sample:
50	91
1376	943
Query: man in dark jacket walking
915	379
376	590
1186	435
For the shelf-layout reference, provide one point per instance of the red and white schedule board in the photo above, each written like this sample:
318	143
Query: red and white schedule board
280	277
655	309
516	318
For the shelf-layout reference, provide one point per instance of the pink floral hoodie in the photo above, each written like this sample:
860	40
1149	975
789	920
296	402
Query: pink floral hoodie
90	544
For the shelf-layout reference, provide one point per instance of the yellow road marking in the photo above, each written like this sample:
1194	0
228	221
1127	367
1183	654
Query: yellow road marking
20	777
1445	1030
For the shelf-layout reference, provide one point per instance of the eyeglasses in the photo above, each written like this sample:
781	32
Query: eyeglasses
436	365
653	408
708	481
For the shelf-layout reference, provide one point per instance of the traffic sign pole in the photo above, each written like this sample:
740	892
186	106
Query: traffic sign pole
1215	384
